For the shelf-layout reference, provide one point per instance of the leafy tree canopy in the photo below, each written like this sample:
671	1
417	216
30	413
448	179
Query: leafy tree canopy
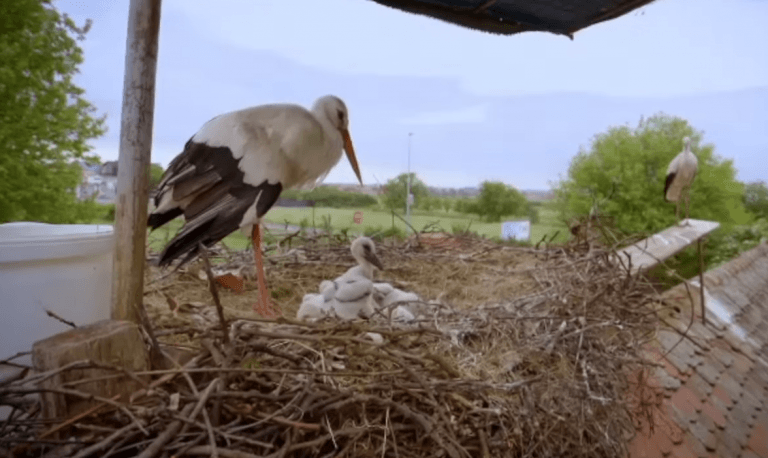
396	189
328	196
756	198
155	175
45	122
622	176
496	200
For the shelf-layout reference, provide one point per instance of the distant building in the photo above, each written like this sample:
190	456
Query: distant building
97	185
109	169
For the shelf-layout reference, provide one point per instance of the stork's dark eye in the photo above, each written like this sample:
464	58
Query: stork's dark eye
367	247
341	115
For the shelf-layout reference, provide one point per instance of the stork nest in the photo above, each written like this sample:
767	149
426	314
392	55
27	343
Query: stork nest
516	352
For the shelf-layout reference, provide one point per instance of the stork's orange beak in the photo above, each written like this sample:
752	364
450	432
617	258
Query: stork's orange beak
350	150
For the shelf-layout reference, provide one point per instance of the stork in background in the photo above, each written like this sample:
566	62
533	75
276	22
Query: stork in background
233	169
680	174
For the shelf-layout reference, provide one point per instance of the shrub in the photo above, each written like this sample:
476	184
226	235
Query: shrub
327	196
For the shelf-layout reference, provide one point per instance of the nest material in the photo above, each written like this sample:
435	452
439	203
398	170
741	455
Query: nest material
546	372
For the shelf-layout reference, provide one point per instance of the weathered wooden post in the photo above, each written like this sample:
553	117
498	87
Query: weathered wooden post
135	158
117	342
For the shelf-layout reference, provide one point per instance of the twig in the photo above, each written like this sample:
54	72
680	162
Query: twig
701	283
76	418
53	314
204	450
215	293
106	442
165	436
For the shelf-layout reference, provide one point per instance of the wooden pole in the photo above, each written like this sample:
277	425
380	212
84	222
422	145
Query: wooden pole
135	158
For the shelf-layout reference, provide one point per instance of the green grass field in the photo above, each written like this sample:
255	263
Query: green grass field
375	218
342	218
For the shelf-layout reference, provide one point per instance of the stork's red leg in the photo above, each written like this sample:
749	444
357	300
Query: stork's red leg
263	307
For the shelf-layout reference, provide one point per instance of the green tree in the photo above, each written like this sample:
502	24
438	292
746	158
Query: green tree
448	204
462	205
622	176
756	198
155	175
396	188
45	122
496	200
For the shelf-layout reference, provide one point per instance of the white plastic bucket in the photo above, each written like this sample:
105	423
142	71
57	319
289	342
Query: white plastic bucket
65	268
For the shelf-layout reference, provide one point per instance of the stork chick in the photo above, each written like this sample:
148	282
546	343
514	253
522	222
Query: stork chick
351	295
680	174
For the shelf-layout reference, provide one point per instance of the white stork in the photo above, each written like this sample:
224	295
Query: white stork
233	169
680	174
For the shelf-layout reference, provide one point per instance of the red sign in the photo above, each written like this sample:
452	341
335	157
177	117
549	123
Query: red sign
358	218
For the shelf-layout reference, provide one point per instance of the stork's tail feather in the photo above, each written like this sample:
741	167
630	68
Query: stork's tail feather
156	220
187	244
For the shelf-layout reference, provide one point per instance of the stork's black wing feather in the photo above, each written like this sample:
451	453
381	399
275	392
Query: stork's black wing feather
667	184
219	194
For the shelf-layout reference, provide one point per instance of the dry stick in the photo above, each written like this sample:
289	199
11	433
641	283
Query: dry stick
81	395
701	282
76	418
99	446
201	402
52	314
322	440
156	446
169	375
214	293
122	372
208	426
204	450
222	433
156	355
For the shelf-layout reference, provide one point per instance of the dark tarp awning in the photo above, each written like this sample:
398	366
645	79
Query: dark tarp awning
508	17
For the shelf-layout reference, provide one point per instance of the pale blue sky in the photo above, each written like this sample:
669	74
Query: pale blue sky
401	72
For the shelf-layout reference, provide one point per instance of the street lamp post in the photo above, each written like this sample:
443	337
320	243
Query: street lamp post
408	198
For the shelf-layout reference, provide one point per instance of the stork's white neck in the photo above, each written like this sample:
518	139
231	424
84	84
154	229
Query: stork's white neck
365	267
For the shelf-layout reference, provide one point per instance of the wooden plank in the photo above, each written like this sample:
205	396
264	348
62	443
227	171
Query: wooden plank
648	253
114	343
135	158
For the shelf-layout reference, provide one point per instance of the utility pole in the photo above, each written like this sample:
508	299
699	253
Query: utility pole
408	195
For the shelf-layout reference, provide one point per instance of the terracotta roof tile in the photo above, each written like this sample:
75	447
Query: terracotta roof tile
758	442
710	370
699	386
719	394
682	451
715	413
728	444
716	381
730	386
723	356
704	435
749	454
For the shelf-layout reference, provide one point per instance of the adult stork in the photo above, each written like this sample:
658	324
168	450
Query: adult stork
680	174
234	168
